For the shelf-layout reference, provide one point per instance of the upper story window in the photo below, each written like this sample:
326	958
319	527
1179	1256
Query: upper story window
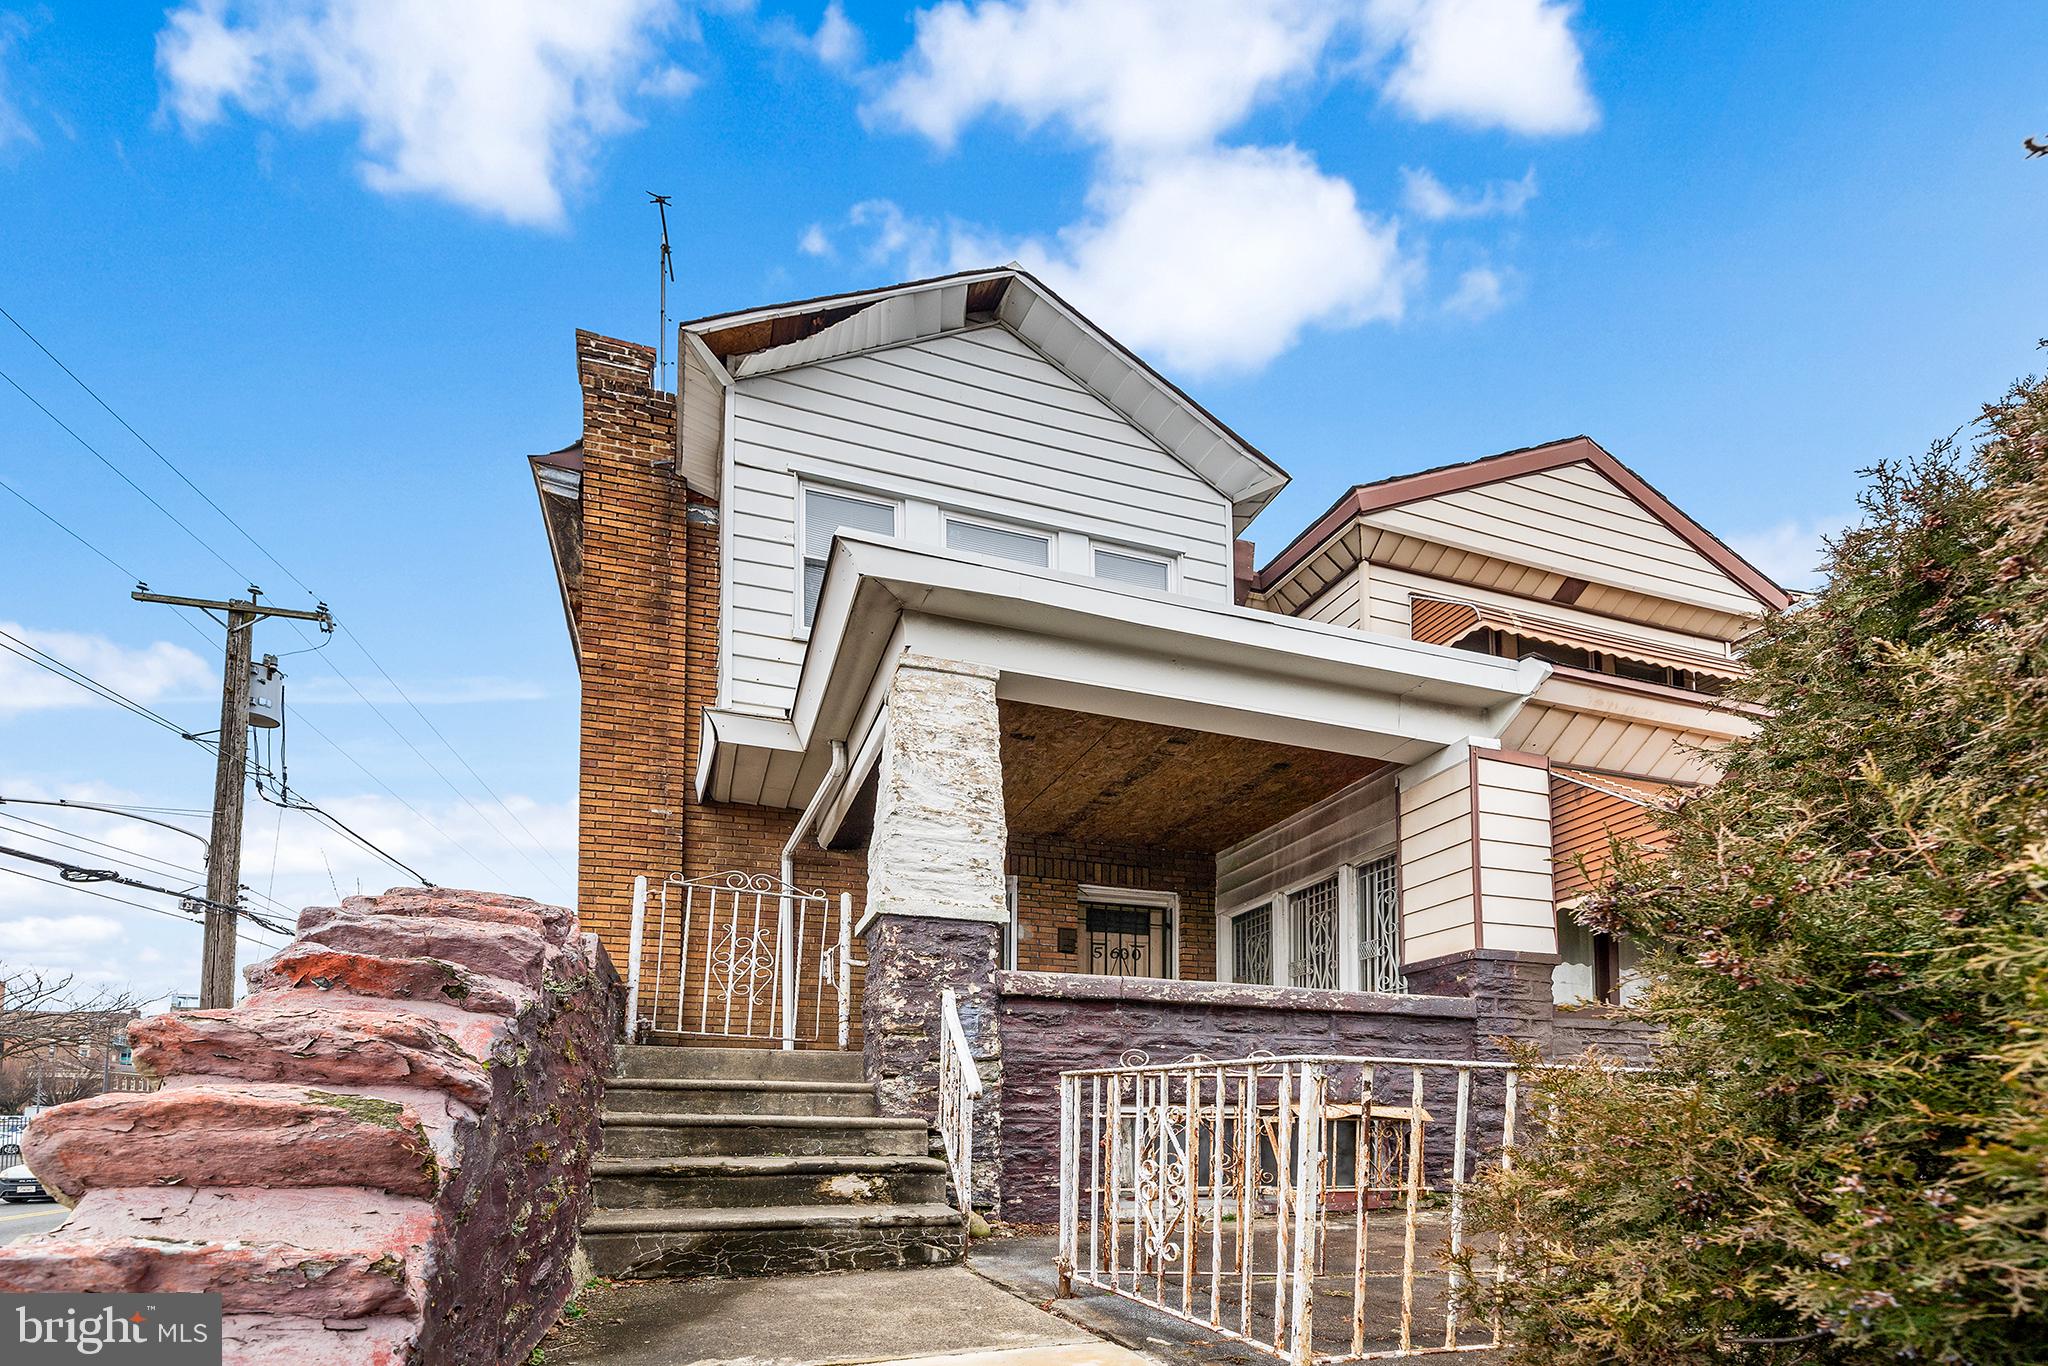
826	513
998	542
1131	567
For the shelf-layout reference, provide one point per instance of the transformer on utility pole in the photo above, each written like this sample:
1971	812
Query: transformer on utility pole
224	858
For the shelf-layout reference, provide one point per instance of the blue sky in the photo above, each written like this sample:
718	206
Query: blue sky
328	256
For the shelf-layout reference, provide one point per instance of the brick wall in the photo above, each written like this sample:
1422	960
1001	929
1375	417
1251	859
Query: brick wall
1050	870
649	629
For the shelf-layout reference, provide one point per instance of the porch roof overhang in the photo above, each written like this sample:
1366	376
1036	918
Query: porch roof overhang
1077	643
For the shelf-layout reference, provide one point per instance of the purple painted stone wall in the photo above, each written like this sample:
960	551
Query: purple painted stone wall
1054	1022
911	960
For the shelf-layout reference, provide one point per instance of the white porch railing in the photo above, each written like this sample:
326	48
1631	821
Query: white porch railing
1245	1196
959	1088
739	955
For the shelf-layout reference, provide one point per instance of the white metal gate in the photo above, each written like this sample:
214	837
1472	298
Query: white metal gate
740	955
1253	1197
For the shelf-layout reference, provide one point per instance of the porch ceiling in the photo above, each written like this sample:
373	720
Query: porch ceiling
1109	780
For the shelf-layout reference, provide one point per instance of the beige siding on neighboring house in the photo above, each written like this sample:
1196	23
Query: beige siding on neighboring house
1513	800
1571	521
1436	866
1614	744
1339	604
975	422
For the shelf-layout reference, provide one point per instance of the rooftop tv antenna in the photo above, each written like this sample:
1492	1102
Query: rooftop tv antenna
666	274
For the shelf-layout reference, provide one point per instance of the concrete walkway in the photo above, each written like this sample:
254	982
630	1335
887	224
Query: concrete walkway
936	1316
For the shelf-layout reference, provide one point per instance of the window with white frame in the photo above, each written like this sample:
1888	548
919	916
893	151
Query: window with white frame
1251	946
827	512
998	542
1127	933
1312	936
1132	567
1379	927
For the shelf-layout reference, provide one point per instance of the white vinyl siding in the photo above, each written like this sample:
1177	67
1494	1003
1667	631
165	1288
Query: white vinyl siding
1140	571
976	423
1002	543
826	513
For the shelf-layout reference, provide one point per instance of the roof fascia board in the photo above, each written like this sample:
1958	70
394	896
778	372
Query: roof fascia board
719	322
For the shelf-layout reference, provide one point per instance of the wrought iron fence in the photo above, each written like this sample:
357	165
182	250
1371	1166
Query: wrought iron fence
959	1088
1242	1196
739	955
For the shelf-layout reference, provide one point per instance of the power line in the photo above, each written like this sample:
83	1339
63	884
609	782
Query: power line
267	553
134	858
537	842
51	518
151	448
247	535
122	475
84	680
124	901
73	873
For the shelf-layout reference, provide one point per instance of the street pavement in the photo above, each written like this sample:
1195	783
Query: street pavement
19	1221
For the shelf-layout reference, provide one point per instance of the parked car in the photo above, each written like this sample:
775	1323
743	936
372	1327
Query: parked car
19	1183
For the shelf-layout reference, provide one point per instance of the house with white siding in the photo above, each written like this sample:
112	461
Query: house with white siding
932	684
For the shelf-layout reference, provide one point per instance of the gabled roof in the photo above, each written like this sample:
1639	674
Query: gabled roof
1383	494
779	337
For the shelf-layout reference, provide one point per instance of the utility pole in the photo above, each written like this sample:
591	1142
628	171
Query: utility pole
224	857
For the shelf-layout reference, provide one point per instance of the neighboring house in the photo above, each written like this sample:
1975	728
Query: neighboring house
939	594
48	1057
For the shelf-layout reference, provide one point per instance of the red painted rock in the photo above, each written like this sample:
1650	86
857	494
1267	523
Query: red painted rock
264	1278
269	1339
309	1040
512	952
231	1134
326	968
552	922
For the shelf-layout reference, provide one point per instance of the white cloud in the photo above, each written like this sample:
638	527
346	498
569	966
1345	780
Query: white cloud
39	932
1217	258
496	105
1480	291
14	125
1134	75
1211	261
1791	551
1512	64
670	82
1430	199
838	43
815	242
151	673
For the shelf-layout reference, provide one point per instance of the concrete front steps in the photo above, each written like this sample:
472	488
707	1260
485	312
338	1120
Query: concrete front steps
749	1162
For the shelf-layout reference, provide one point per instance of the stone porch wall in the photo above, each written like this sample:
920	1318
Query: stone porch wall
1054	1022
382	1155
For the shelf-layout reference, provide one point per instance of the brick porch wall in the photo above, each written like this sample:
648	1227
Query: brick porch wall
1049	871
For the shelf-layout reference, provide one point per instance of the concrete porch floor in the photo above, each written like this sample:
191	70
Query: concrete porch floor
934	1316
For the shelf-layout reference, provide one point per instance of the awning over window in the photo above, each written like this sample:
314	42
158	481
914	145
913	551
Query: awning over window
1588	811
1445	621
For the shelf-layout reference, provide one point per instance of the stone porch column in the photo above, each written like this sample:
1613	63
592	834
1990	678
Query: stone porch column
936	904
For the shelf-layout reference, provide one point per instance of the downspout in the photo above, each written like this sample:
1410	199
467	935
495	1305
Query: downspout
827	789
